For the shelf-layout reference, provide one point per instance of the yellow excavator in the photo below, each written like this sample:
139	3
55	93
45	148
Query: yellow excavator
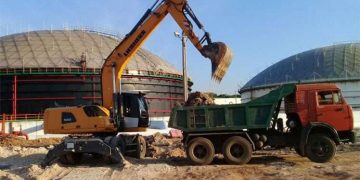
95	129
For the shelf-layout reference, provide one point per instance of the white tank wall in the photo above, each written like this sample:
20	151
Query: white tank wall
350	91
227	100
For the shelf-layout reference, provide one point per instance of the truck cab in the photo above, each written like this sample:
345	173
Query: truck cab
319	118
321	104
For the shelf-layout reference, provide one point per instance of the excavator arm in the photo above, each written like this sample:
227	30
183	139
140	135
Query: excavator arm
218	53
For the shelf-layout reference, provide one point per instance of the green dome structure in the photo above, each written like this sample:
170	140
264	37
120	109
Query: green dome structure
332	63
339	64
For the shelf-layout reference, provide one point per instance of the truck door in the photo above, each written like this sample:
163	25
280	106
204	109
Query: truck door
332	110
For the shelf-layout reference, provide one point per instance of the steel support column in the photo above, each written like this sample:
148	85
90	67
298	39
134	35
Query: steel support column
14	97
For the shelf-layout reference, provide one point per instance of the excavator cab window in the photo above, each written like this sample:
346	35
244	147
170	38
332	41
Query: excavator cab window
143	107
93	111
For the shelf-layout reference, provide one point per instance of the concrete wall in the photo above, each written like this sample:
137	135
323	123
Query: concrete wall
34	128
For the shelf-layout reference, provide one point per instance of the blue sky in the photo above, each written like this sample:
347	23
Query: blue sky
260	33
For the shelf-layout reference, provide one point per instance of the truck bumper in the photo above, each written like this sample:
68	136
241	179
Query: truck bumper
347	136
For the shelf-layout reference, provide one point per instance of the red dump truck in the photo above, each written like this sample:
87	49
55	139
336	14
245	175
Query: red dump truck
318	119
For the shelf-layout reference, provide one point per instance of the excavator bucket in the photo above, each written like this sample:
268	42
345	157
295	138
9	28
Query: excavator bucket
221	56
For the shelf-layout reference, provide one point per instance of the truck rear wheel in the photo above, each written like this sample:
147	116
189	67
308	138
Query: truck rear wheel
320	148
237	150
201	151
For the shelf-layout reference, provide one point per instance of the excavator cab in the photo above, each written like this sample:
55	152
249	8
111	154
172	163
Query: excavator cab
135	115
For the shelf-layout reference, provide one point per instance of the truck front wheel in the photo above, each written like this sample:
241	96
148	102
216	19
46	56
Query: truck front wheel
237	150
201	151
320	148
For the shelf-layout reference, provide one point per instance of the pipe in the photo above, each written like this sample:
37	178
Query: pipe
115	105
184	61
113	77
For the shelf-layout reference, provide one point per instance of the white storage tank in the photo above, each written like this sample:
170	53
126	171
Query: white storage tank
339	64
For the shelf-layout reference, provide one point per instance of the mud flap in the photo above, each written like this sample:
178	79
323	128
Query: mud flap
303	140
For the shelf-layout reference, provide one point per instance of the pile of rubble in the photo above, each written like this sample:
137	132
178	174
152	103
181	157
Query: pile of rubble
162	146
19	141
198	99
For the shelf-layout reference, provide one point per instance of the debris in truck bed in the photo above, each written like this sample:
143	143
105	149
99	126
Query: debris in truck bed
198	98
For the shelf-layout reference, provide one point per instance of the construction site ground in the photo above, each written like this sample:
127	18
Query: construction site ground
166	159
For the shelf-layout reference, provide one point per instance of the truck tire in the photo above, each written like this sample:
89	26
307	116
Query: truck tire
237	150
200	151
320	148
141	148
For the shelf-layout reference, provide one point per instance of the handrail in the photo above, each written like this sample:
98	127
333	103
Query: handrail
72	70
12	117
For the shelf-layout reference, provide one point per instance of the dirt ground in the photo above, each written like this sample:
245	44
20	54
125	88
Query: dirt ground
166	160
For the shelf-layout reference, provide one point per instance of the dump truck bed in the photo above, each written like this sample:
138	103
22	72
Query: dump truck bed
256	114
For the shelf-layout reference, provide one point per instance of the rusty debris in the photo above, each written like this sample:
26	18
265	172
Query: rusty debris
198	99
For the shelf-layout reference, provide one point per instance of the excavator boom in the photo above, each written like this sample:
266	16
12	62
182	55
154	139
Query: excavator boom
218	53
